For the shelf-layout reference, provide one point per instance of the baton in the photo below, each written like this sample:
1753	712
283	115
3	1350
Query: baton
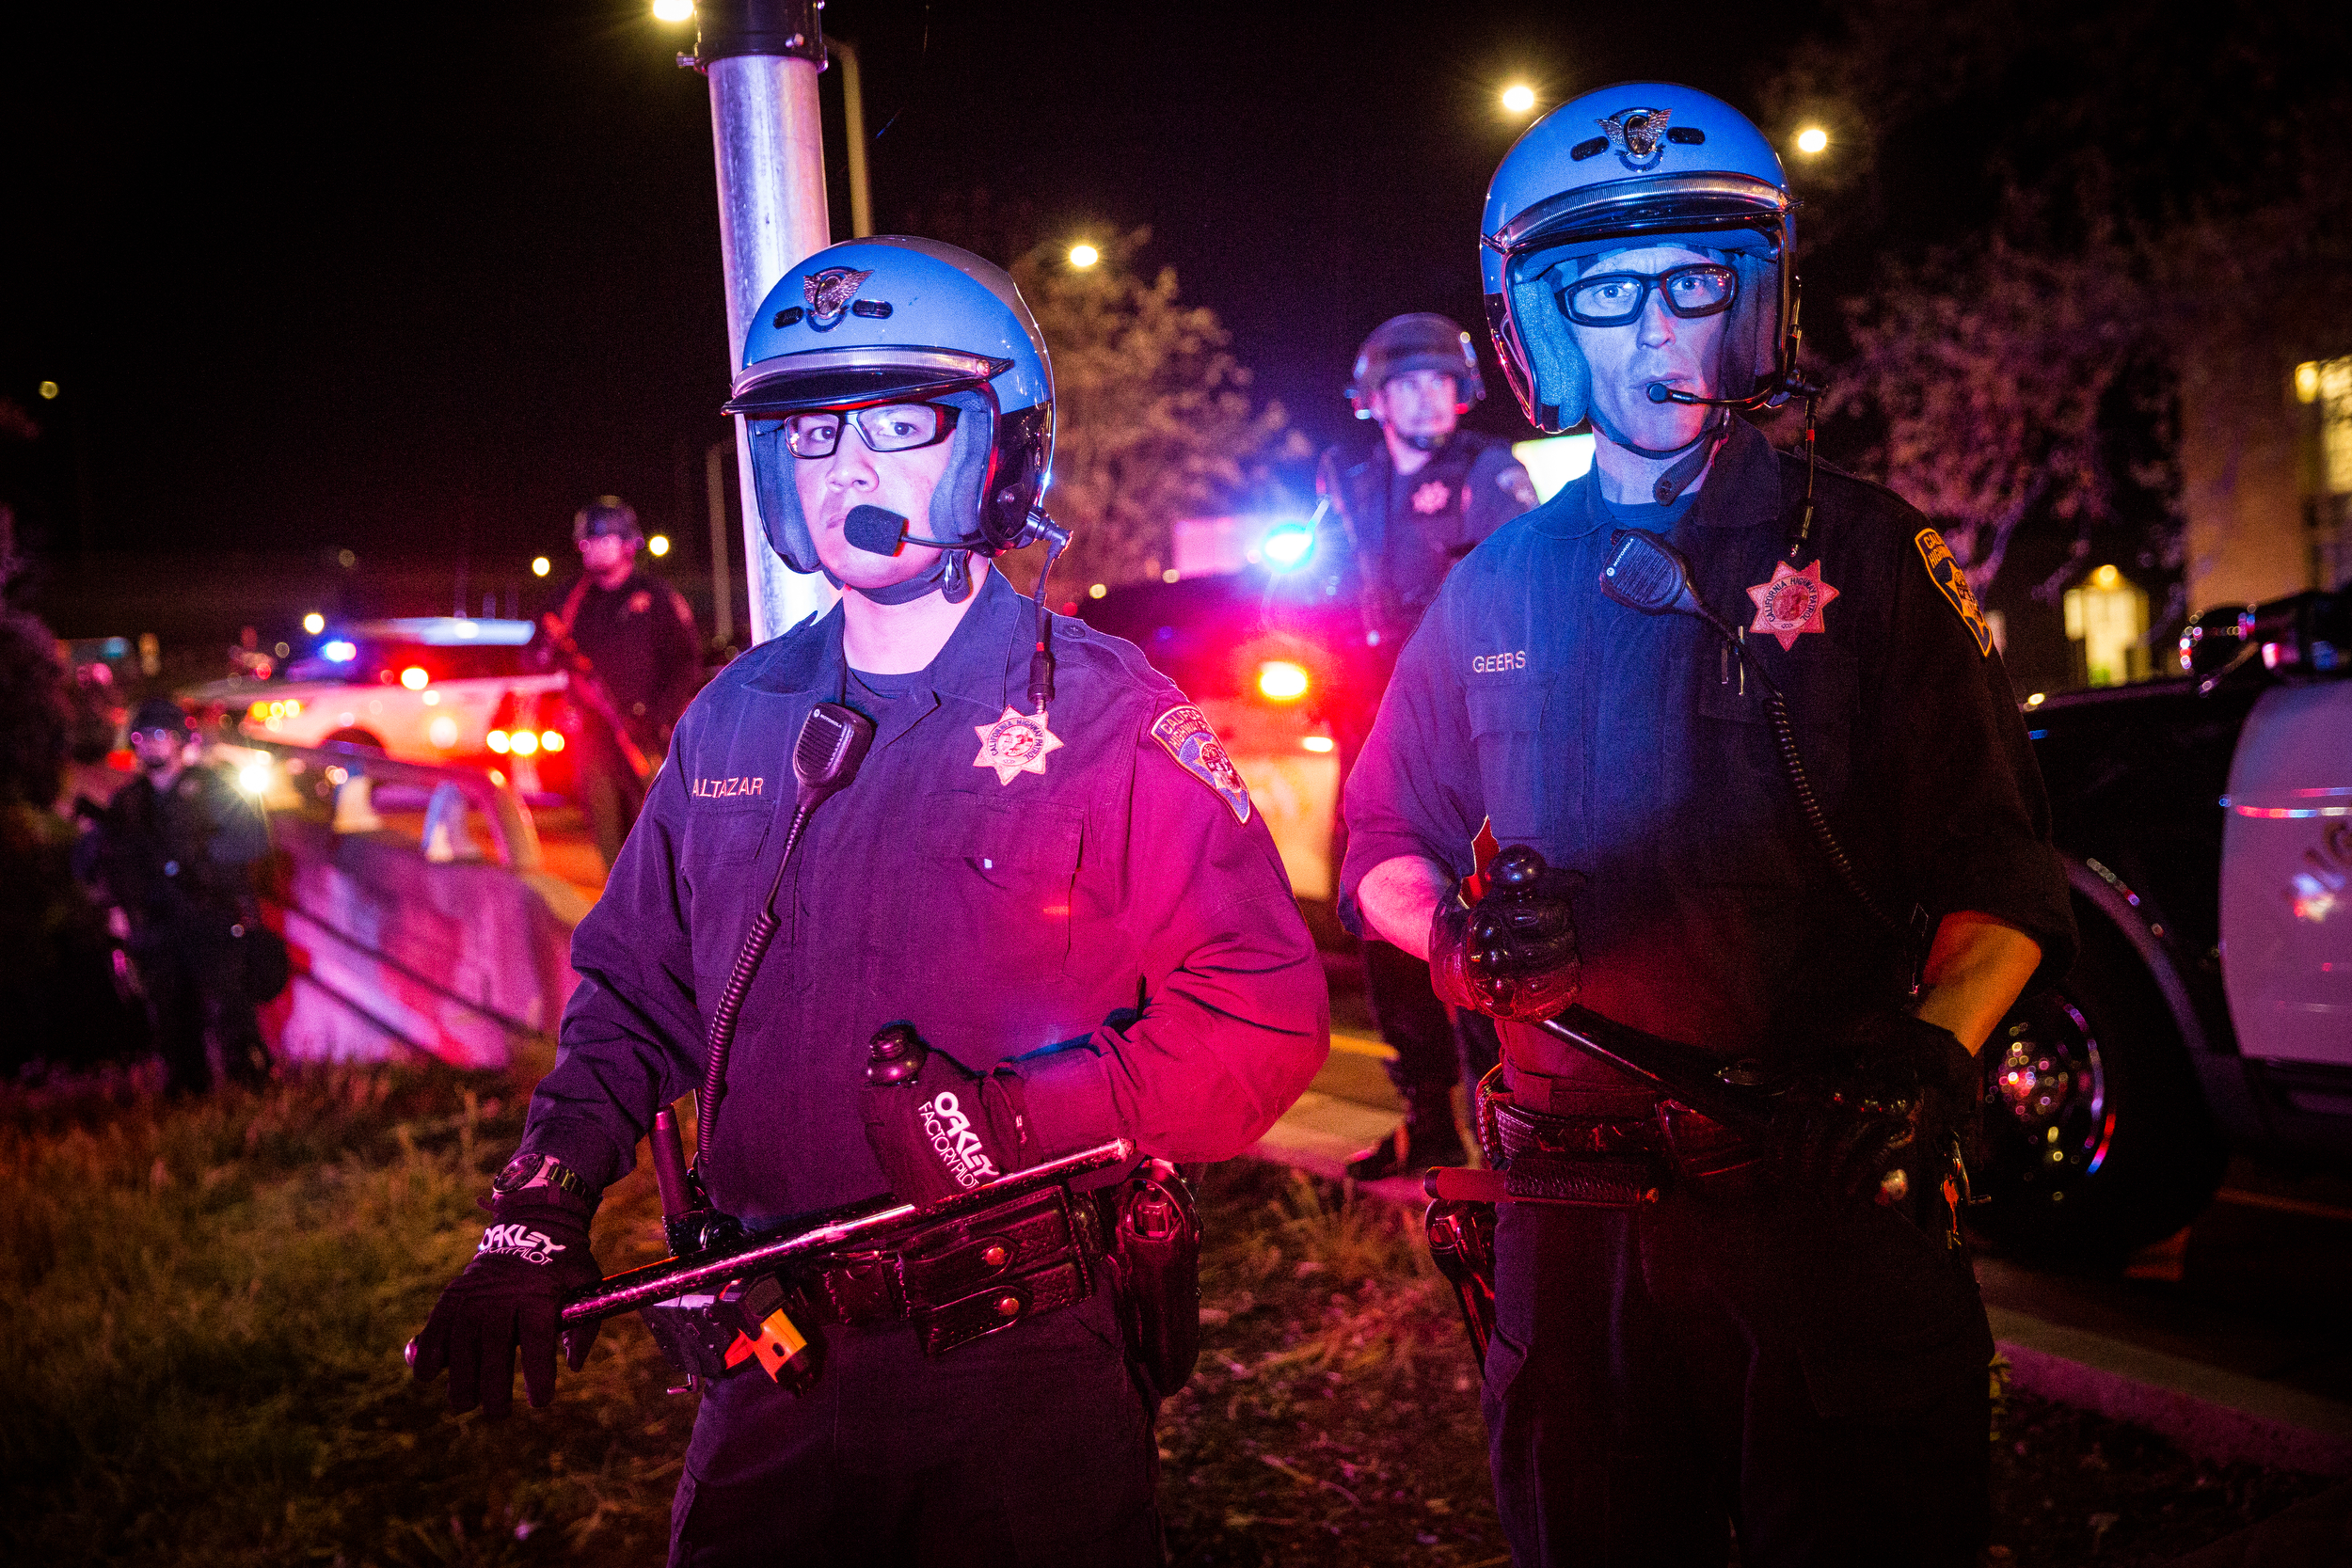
676	1276
1681	1072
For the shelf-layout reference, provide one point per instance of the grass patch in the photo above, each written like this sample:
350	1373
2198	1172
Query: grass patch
206	1303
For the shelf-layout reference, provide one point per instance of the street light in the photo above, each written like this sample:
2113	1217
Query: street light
1519	98
673	10
315	623
541	566
1812	140
658	543
1084	256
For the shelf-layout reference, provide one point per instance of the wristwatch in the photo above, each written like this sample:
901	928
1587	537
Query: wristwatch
528	1170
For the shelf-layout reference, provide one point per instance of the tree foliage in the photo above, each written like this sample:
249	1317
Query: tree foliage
2038	224
1154	416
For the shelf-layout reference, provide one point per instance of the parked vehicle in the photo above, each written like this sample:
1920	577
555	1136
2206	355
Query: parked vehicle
2206	822
429	688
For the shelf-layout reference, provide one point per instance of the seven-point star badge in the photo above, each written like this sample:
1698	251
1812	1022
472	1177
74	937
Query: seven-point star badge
1015	743
1792	603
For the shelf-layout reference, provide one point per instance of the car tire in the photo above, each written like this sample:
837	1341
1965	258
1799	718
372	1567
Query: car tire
358	739
2097	1138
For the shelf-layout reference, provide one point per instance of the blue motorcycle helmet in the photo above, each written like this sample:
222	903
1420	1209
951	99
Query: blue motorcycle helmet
895	319
1641	163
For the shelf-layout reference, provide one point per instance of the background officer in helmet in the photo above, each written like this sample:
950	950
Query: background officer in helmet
174	851
1768	1326
1406	512
638	635
1045	867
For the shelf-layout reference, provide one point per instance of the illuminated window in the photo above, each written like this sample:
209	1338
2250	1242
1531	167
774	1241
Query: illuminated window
2327	383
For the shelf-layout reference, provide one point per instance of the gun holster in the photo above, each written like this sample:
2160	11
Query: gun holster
1155	1250
1461	1237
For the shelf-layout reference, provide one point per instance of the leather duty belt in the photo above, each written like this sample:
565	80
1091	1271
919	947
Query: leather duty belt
1616	1161
968	1276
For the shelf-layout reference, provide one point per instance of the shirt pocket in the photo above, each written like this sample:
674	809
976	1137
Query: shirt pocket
1002	879
1529	766
1736	747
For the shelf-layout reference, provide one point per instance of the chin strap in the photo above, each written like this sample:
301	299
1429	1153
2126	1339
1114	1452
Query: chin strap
1696	453
950	577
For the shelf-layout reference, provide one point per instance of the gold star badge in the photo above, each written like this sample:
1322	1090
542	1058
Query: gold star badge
1015	743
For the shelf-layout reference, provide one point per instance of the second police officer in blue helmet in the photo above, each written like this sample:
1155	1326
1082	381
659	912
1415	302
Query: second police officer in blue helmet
1788	817
1047	873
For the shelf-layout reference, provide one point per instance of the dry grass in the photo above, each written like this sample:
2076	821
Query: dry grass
205	1304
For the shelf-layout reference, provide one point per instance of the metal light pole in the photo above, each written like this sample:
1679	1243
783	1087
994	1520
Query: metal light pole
762	59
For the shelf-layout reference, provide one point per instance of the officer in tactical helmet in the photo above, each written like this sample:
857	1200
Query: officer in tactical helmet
1404	513
174	851
632	636
1715	745
1043	884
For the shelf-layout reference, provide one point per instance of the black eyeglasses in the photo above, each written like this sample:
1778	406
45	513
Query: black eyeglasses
1614	298
891	427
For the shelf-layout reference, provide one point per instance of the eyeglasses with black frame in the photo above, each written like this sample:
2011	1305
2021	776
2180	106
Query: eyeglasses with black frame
1692	292
887	427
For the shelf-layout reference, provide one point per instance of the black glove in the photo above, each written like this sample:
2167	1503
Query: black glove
936	1129
533	1257
1892	1093
1513	954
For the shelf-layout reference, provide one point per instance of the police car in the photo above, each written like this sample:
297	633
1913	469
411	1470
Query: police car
1273	675
2206	824
427	689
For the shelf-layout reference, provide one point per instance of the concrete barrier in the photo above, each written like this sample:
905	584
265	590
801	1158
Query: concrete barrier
461	960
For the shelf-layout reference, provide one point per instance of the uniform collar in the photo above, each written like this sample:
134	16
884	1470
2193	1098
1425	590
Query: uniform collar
1743	490
976	665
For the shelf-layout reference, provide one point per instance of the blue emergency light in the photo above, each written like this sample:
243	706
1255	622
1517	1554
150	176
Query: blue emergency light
1287	546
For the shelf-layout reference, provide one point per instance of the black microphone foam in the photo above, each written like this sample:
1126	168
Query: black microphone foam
875	530
1660	392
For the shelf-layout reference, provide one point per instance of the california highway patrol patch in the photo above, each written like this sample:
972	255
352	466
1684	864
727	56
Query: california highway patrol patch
1017	742
1953	584
1197	750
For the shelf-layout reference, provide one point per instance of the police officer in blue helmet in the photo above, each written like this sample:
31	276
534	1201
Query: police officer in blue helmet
1040	907
1715	745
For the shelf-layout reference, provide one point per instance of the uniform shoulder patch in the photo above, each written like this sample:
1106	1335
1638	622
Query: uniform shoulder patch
1516	484
1184	734
1943	570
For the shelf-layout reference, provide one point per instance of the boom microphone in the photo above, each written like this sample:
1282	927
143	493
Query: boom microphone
878	531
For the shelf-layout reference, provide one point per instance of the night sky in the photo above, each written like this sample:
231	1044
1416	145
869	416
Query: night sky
421	292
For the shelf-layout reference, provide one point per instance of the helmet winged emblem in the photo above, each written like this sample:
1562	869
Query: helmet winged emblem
1636	132
829	293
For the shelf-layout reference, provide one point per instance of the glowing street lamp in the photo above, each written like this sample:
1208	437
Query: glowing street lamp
315	623
1519	98
673	10
541	566
1812	140
658	543
1084	256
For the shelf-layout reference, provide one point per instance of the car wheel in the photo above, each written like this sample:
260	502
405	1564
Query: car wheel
2097	1138
358	739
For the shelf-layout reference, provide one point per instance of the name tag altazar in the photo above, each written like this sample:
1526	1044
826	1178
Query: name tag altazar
728	789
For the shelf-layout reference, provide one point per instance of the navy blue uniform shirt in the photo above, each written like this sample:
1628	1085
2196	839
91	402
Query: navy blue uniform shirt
1116	920
1631	749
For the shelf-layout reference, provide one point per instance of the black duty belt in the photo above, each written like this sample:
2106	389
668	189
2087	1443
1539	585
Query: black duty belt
1626	1155
962	1278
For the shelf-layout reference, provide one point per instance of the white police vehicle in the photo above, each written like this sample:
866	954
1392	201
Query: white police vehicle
427	689
2206	824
